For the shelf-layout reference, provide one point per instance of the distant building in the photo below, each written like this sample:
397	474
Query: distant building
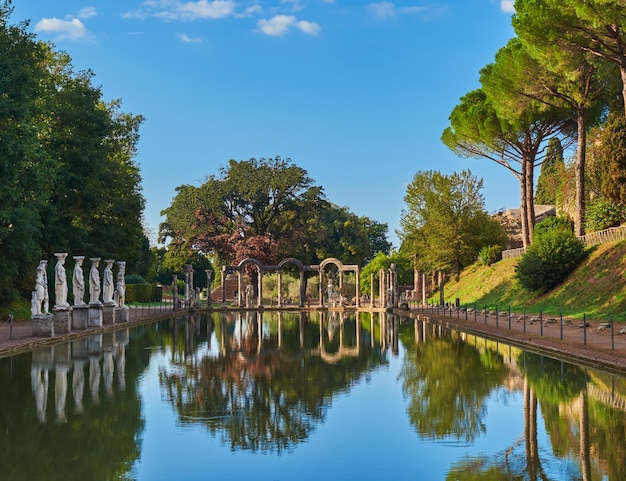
512	223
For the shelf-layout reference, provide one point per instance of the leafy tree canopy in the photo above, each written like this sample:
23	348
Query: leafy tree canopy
445	224
268	209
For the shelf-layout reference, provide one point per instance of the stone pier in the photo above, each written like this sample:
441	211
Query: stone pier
62	320
43	325
108	314
80	317
95	315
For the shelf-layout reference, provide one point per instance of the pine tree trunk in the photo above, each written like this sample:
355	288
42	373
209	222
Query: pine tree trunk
579	169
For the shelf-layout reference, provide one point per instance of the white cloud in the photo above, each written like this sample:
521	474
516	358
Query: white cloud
87	12
185	38
507	6
206	9
310	28
73	29
175	10
255	9
382	9
279	25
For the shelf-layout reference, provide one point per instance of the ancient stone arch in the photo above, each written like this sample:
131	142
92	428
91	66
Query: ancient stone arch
302	268
341	268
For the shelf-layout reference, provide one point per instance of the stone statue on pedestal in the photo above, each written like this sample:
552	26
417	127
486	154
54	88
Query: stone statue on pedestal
39	299
108	287
78	281
94	281
120	288
60	282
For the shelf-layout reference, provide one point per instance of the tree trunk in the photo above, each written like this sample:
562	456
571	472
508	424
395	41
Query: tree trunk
579	169
442	280
530	201
622	71
523	216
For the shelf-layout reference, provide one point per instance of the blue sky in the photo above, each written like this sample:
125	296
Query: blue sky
356	93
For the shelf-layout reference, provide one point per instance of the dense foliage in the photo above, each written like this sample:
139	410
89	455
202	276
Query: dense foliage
554	254
267	209
445	224
70	182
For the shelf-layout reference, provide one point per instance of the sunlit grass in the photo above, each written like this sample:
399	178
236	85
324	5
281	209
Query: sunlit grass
596	289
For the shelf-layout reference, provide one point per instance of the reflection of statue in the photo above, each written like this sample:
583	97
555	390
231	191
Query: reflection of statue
39	382
78	281
60	282
107	283
249	295
78	384
120	288
94	281
40	294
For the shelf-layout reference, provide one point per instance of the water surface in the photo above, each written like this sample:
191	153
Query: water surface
282	396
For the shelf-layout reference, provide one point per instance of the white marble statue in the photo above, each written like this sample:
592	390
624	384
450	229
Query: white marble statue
120	288
39	299
60	282
78	281
94	281
107	283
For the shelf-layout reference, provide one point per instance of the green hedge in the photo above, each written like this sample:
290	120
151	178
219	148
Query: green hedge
143	293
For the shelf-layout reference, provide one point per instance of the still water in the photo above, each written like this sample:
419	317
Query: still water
306	396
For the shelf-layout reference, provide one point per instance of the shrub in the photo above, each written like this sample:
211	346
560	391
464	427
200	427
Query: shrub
602	214
549	260
134	279
490	254
551	223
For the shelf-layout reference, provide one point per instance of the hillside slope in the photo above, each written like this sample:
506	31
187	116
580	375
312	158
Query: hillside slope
597	287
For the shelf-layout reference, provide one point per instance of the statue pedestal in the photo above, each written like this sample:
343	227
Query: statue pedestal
80	317
122	314
95	315
62	321
108	314
43	325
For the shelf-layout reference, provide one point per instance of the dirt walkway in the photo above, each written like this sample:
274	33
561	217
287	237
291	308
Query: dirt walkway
598	345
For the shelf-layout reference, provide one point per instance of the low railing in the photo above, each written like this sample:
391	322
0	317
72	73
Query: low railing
612	234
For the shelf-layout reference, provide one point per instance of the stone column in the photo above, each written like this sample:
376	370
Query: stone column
373	296
95	306
42	321
80	310
122	313
108	290
279	296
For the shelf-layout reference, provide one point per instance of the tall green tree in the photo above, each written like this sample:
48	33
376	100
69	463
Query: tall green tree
268	209
572	78
444	224
25	169
549	178
67	162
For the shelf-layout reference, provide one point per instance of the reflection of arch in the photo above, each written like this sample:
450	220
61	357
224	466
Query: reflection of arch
344	351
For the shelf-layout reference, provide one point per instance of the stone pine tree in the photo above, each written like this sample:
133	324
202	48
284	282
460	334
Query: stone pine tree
551	171
571	78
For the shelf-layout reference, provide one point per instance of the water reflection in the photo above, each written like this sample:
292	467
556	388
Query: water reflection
586	442
275	375
260	385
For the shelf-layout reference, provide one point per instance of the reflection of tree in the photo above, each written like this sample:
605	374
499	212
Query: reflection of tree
578	428
100	443
257	396
447	382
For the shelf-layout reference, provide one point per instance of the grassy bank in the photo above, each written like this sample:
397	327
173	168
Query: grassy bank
597	288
